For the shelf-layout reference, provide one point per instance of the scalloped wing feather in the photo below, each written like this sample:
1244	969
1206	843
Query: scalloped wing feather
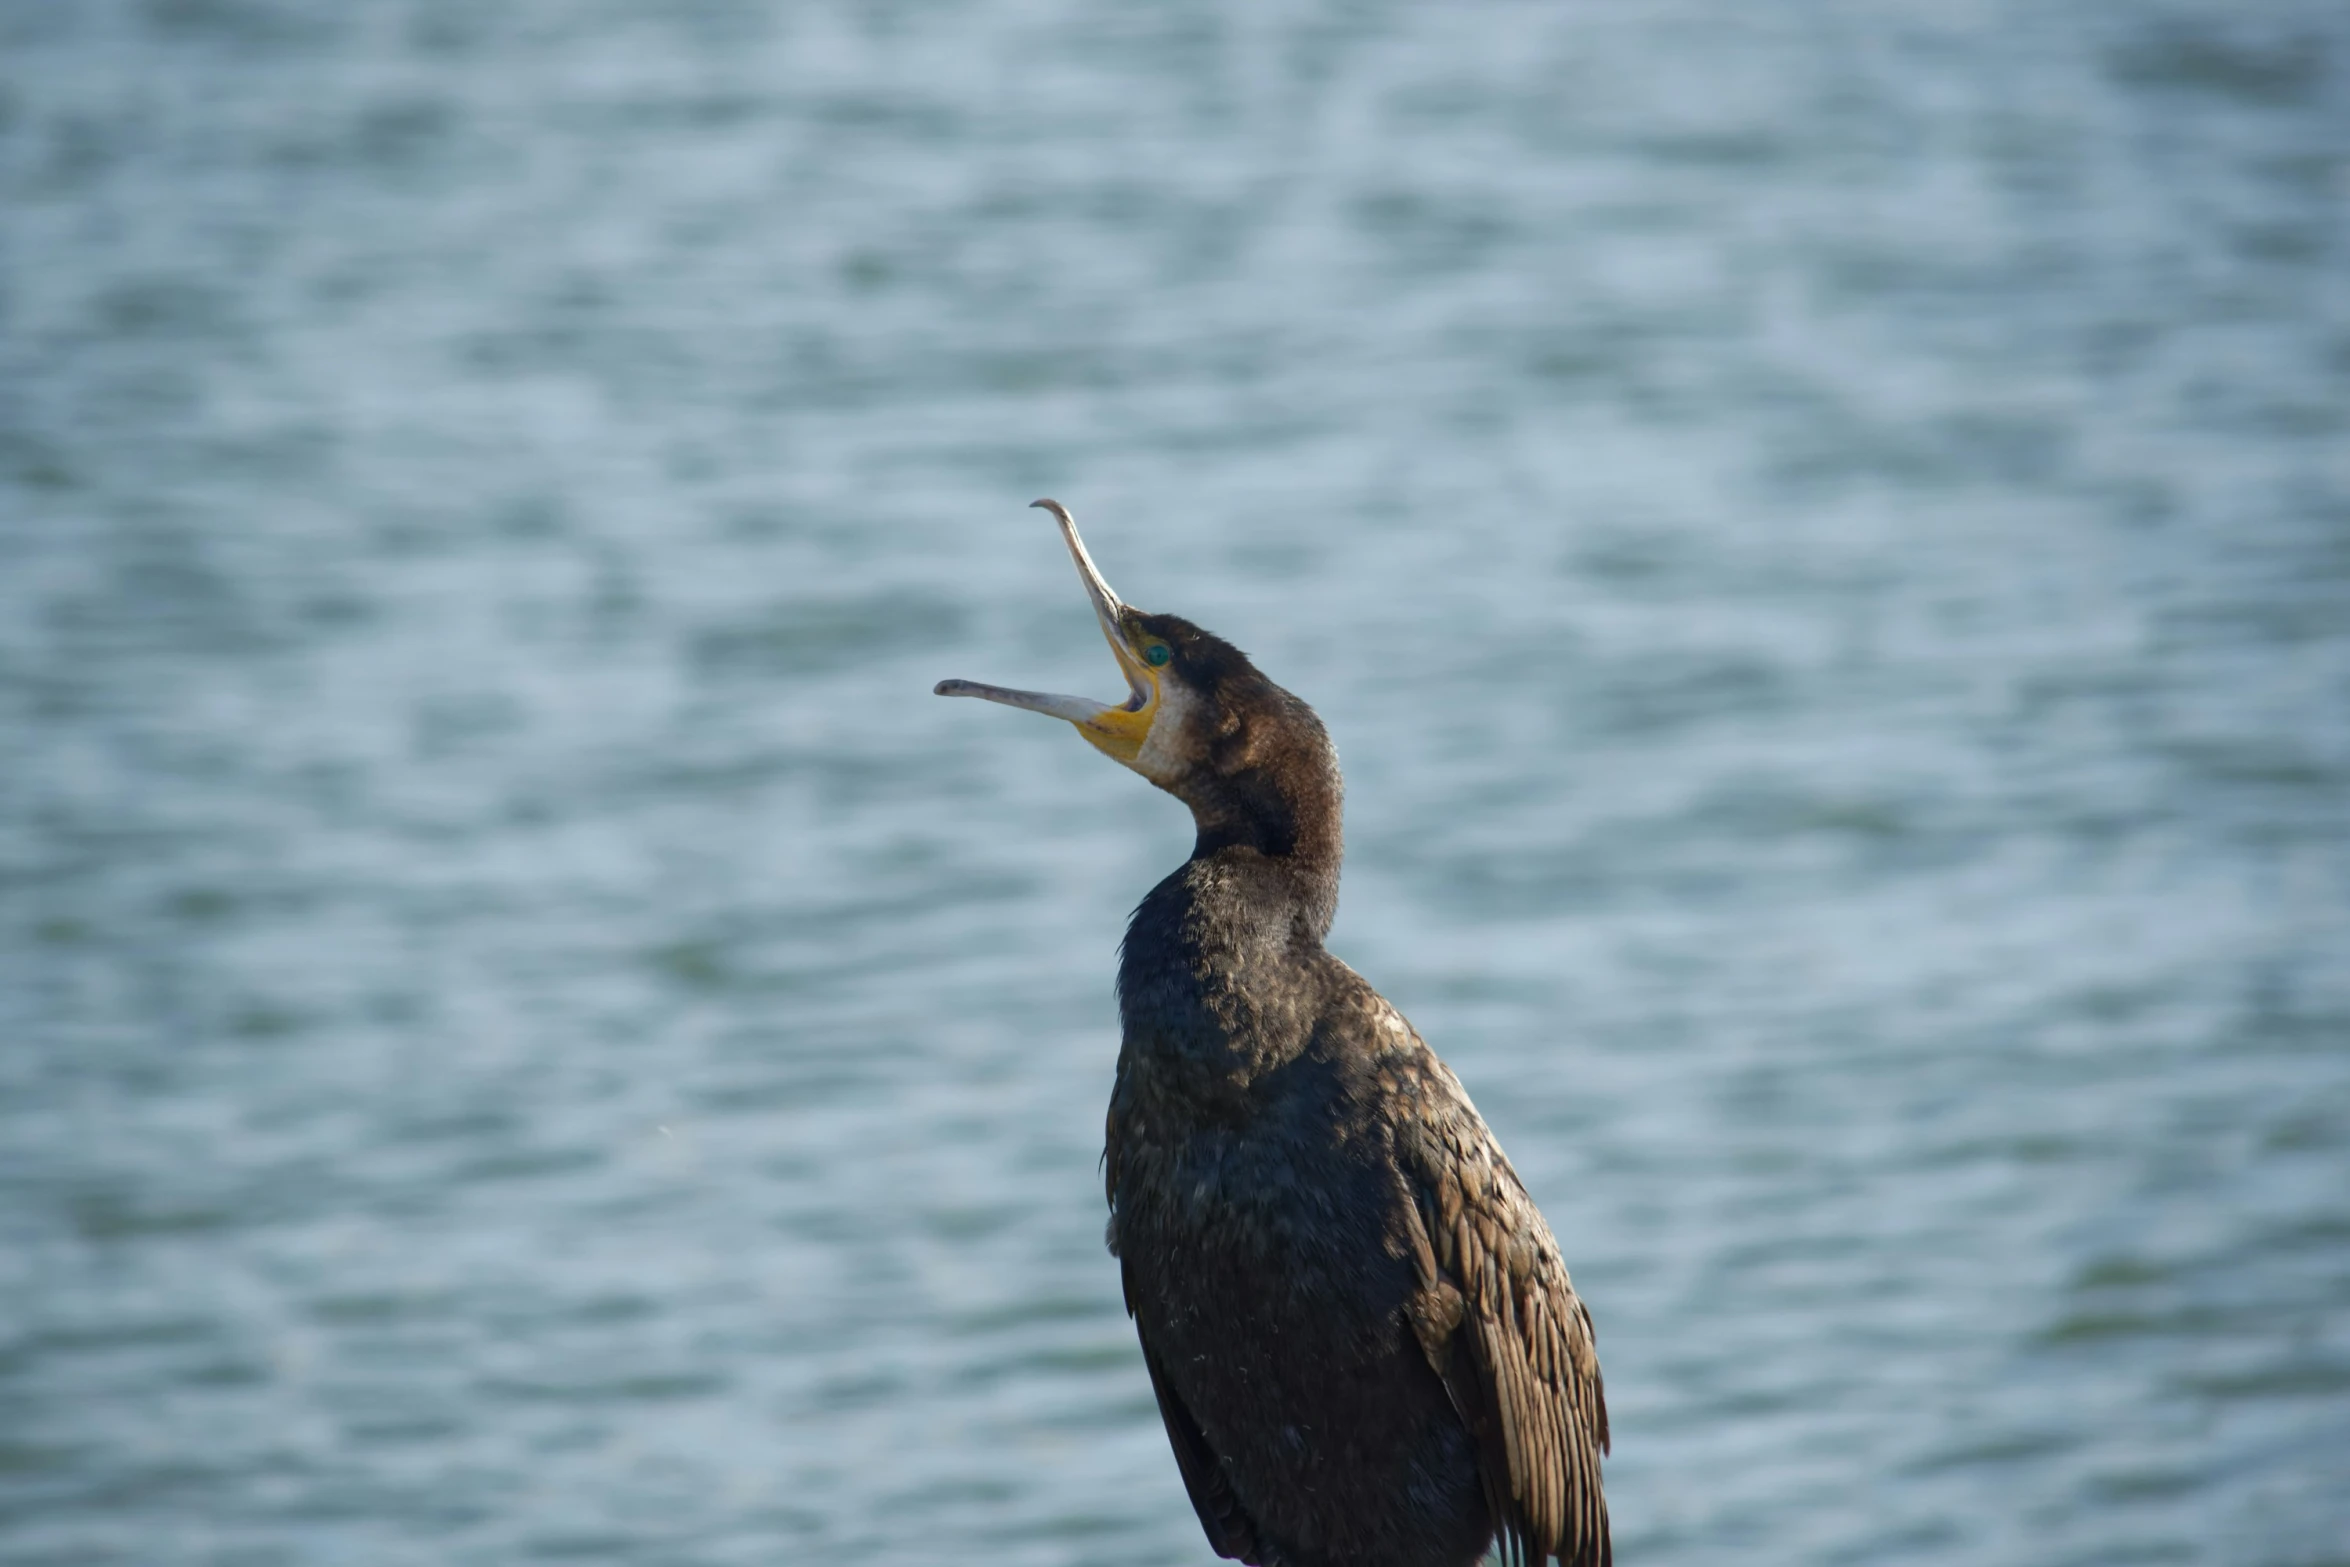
1500	1323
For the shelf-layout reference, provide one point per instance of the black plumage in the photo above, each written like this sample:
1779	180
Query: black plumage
1363	1342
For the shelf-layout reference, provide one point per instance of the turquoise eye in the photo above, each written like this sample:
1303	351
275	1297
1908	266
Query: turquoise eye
1158	654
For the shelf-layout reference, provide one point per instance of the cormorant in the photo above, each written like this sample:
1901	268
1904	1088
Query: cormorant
1363	1342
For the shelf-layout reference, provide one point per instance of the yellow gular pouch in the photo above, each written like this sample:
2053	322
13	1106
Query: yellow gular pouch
1120	733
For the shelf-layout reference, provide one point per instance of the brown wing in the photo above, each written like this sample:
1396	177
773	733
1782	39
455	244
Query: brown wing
1500	1323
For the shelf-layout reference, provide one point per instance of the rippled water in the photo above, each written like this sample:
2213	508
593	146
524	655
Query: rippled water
1822	534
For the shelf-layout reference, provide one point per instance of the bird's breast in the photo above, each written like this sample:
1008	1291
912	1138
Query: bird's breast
1274	1182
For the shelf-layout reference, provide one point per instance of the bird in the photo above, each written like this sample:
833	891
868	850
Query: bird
1363	1343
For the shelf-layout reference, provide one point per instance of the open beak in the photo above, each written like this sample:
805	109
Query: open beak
1117	732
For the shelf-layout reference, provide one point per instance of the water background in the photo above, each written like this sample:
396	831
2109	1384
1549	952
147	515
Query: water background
1822	534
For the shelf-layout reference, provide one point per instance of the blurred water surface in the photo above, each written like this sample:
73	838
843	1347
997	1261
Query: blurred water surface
1822	533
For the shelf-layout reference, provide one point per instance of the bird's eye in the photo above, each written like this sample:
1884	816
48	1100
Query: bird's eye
1158	653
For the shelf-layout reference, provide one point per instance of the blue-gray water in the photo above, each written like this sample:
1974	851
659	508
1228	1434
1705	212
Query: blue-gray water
1822	534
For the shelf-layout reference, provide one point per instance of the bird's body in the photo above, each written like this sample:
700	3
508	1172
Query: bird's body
1252	1164
1363	1343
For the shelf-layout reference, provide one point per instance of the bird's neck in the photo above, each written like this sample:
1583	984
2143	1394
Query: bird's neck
1272	839
1284	807
1222	967
1272	902
1221	973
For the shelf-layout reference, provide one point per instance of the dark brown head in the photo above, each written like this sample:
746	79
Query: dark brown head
1201	722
